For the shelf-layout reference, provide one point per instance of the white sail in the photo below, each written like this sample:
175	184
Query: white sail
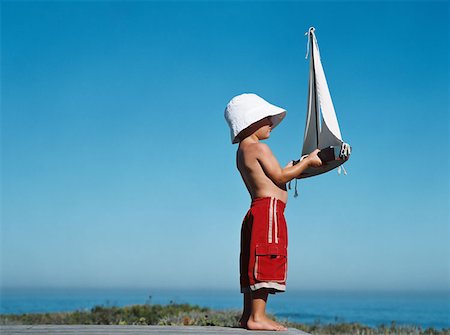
320	106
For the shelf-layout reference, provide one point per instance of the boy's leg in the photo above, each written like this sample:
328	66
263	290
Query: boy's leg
258	319
243	265
247	310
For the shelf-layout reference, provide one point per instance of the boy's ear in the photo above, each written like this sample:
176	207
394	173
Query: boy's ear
246	132
254	127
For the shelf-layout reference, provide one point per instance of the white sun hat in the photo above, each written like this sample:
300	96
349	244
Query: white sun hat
245	109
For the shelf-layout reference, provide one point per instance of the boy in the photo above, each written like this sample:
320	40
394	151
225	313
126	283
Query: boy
263	256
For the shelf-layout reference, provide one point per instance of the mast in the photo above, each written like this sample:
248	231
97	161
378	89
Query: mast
315	87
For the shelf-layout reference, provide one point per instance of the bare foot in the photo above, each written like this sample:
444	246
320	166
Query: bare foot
263	323
278	325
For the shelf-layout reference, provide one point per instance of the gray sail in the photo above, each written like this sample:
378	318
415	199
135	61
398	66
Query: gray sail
312	127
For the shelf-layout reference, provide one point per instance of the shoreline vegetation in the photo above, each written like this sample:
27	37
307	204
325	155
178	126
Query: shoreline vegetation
193	315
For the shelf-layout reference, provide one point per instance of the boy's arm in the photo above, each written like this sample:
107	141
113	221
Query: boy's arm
280	175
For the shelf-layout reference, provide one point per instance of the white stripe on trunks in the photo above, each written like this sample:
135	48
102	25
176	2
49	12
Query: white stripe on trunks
270	219
276	221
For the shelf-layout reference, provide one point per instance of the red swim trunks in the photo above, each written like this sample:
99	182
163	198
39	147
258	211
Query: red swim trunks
264	240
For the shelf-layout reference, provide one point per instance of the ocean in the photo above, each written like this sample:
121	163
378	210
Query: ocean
424	309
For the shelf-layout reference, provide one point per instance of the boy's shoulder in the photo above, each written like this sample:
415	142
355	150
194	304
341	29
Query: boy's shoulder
255	149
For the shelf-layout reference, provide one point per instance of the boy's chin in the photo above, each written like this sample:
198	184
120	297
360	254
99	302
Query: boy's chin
263	137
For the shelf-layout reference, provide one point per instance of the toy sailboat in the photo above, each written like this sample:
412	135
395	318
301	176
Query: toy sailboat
322	128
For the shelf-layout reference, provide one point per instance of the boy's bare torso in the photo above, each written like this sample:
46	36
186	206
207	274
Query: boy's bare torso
262	174
248	160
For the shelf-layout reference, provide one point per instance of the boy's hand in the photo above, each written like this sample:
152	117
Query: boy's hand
313	159
291	163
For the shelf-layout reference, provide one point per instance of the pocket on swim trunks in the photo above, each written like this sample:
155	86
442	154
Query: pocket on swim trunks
271	262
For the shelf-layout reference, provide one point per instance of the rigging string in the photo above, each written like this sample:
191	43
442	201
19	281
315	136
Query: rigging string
309	39
341	167
295	162
289	186
296	179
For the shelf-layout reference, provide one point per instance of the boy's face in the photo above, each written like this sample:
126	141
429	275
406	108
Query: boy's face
265	128
261	129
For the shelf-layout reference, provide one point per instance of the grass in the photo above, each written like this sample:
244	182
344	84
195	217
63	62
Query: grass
193	315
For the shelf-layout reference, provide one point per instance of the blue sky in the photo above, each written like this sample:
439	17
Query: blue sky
117	166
